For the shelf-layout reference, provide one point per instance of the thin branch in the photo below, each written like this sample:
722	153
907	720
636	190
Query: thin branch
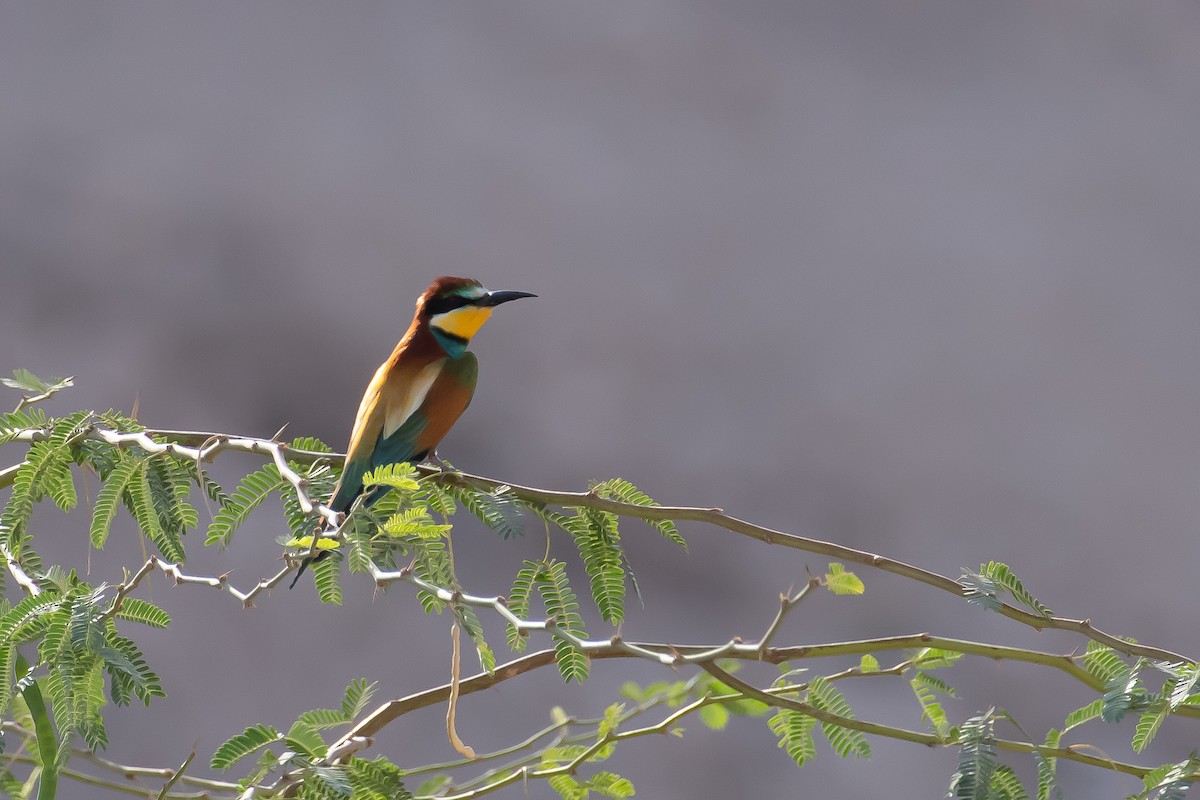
1068	753
202	446
786	603
19	574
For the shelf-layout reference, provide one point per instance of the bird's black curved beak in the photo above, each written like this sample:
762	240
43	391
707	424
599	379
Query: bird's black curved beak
496	298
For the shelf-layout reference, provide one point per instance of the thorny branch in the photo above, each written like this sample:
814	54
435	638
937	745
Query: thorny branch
203	447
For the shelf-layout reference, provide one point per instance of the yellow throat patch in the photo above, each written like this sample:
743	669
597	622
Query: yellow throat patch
462	322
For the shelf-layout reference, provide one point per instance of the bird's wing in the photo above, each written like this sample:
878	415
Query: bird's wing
403	418
386	414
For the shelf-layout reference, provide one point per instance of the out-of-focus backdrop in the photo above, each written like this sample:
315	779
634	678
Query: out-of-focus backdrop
917	277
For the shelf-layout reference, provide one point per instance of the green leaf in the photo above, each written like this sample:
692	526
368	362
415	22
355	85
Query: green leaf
249	495
930	658
170	487
1185	682
439	500
563	608
868	664
845	741
378	780
608	784
310	444
980	590
1170	781
839	581
433	565
1149	723
402	476
794	731
42	473
357	696
623	491
26	381
1048	788
141	501
567	787
714	716
110	495
414	522
1002	576
500	509
137	610
321	719
518	602
1103	662
598	540
44	735
326	575
925	686
243	744
1121	693
1006	786
976	759
130	671
304	739
1085	714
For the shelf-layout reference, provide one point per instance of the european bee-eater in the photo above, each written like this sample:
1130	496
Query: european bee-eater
423	387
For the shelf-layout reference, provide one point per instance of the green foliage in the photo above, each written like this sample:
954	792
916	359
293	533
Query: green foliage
47	750
45	471
794	731
402	476
414	521
1103	662
1047	767
1087	713
1170	781
433	565
154	522
518	601
840	581
561	605
243	744
135	609
608	784
26	381
1122	692
976	759
845	741
926	687
377	779
931	658
623	491
599	543
357	696
1006	786
499	509
327	577
249	495
714	716
13	422
111	495
983	588
83	662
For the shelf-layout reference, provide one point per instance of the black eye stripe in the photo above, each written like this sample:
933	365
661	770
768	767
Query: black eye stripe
440	305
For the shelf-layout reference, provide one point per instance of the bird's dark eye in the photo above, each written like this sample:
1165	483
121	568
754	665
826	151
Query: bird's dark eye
444	303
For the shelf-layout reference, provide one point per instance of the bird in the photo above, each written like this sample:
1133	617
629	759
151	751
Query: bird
423	387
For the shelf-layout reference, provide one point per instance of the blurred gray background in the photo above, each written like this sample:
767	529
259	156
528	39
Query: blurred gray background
917	277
